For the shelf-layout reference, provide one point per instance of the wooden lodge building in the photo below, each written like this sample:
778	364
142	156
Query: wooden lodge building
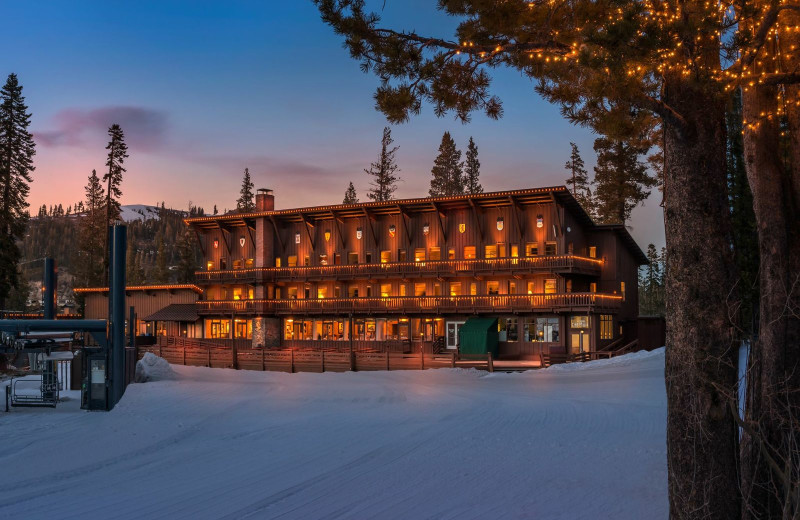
408	274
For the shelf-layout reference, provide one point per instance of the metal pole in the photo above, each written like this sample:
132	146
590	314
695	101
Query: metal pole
49	288
117	298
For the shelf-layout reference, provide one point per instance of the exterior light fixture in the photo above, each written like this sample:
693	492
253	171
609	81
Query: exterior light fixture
392	230
216	243
327	235
539	221
426	229
462	228
241	241
500	224
297	238
359	233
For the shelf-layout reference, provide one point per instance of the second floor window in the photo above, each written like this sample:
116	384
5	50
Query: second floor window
386	257
352	291
352	257
292	261
419	254
323	259
550	285
209	265
455	288
593	287
469	252
490	251
531	249
386	290
322	292
368	257
592	252
277	261
419	289
493	288
306	260
451	253
550	248
435	253
401	255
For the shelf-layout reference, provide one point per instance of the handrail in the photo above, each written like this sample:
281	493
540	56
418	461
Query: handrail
428	267
611	345
467	304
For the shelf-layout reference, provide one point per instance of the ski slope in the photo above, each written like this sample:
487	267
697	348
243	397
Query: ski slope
579	441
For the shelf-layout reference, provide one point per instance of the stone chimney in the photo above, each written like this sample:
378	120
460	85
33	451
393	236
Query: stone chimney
265	200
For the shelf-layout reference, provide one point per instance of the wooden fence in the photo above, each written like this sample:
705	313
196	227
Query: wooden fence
306	360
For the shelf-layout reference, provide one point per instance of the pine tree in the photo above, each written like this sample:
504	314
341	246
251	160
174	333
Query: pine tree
622	180
216	212
162	273
579	180
384	172
187	263
472	169
651	285
246	201
447	177
92	234
350	196
16	165
743	218
117	153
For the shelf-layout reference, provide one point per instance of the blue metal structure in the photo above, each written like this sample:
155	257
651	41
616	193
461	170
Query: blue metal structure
104	365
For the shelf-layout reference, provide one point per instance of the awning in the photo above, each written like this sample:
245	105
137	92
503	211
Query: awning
478	336
175	312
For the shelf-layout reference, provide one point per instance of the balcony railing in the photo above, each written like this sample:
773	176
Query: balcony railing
436	268
416	304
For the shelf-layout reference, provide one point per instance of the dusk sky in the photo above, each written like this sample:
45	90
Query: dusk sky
204	89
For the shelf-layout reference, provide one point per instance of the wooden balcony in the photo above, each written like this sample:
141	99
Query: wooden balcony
439	269
406	305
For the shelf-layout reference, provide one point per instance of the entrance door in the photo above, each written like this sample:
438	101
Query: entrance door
579	342
453	331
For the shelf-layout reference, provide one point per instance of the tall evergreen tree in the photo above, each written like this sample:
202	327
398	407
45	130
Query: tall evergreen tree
117	153
472	169
162	272
384	171
350	196
579	180
92	234
187	258
651	285
743	218
447	170
246	201
16	165
622	180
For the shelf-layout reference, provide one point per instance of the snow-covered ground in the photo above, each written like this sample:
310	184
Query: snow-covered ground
570	442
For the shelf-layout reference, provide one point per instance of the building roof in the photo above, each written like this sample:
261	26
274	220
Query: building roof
165	287
551	194
175	312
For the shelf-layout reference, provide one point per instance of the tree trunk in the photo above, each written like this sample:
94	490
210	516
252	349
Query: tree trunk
700	371
774	365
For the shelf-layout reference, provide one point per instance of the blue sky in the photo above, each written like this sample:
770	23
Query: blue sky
203	89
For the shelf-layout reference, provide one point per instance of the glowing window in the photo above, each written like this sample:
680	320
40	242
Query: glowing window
549	248
550	286
352	257
386	257
455	288
386	290
292	261
514	250
469	252
606	326
592	252
593	287
490	251
419	254
451	253
493	288
419	289
435	253
322	292
531	249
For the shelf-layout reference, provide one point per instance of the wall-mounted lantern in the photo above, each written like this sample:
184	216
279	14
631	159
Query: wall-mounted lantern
327	235
426	229
539	221
242	241
297	238
359	233
392	230
216	243
462	228
500	224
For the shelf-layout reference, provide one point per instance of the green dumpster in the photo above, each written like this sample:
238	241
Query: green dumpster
478	336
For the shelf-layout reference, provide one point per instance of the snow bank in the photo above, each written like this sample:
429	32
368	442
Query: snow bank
153	368
619	361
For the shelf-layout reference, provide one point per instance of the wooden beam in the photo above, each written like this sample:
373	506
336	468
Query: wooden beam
405	226
477	217
278	234
515	210
439	218
200	241
558	214
308	226
337	221
370	218
227	242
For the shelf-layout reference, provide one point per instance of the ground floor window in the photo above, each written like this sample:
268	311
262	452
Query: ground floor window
329	329
606	326
507	329
364	329
579	322
218	329
242	329
542	329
